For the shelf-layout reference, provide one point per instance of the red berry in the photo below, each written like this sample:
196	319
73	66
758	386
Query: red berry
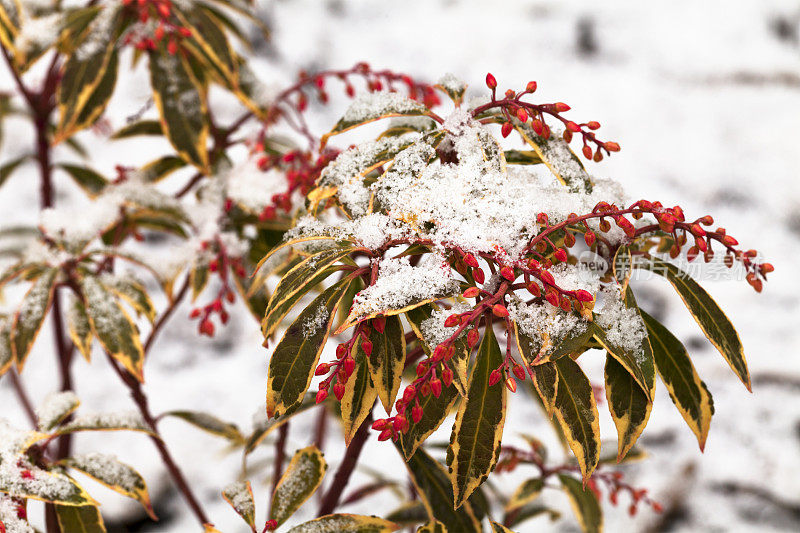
531	87
611	146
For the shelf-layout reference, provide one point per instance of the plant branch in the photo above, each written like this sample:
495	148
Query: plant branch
346	468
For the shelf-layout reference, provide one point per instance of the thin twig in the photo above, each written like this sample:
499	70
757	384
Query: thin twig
346	468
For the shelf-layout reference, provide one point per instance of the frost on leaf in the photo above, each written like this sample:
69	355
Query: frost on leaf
117	476
623	326
240	496
10	517
55	408
107	422
302	477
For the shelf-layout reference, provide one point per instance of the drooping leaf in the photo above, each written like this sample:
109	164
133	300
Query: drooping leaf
298	281
408	514
528	491
182	108
359	395
478	429
302	478
707	313
584	504
436	492
30	315
528	511
80	519
160	168
55	408
240	496
210	39
210	424
628	404
6	357
576	412
89	180
295	358
639	364
386	360
112	326
687	390
499	528
132	421
545	380
115	475
99	98
134	293
375	106
434	412
345	523
6	169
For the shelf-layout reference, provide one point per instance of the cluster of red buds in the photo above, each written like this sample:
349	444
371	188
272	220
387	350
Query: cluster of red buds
343	366
301	169
270	525
512	107
533	275
165	27
223	265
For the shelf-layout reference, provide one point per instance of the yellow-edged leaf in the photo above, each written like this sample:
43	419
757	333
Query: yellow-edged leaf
30	315
46	486
345	523
688	392
584	504
210	424
387	359
576	412
295	358
629	406
302	478
264	426
434	526
80	519
478	429
240	496
528	491
112	326
55	408
545	380
359	395
115	475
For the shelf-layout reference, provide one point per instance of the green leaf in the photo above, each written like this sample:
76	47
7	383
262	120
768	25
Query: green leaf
160	168
532	349
408	514
436	492
629	406
530	510
177	95
6	357
359	395
522	157
240	496
707	313
30	315
576	412
100	96
528	491
88	180
387	359
83	519
292	365
115	475
478	429
375	106
134	293
584	504
141	127
210	424
302	478
210	38
6	169
112	326
687	390
78	328
55	408
345	523
545	380
299	280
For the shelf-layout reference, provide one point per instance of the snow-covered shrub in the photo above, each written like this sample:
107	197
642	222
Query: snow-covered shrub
418	250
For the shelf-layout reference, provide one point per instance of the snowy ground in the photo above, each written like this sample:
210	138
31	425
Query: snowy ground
704	98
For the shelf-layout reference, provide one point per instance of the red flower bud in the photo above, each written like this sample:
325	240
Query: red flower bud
508	273
471	292
478	274
730	241
519	372
587	151
573	127
494	377
367	347
506	128
561	255
379	424
766	268
534	289
447	376
611	146
499	310
271	525
583	296
321	395
399	422
409	393
547	277
341	351
195	313
386	434
472	338
562	107
349	364
522	115
552	298
531	87
593	125
322	369
422	367
436	387
491	82
471	261
416	413
338	390
451	321
207	327
511	384
538	126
